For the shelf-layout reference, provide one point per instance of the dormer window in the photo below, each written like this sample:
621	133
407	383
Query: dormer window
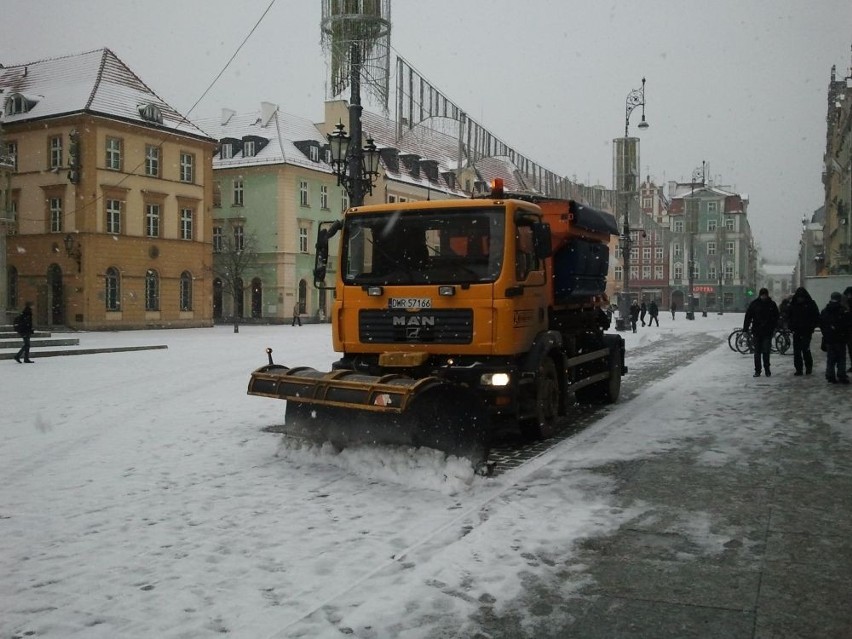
227	151
18	103
314	154
248	149
151	113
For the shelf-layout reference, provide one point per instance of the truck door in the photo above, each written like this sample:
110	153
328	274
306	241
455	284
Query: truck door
530	313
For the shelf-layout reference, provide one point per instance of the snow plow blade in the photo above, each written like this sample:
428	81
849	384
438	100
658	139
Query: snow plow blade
347	408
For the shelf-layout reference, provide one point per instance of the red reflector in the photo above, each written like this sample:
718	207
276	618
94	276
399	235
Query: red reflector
497	188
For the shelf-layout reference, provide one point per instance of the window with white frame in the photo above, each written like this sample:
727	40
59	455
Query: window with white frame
152	160
55	205
647	202
712	207
186	291
344	199
711	248
729	248
113	216
711	225
303	240
634	272
112	289
238	192
729	224
729	271
658	272
239	238
677	249
12	153
646	253
226	152
646	272
658	252
186	223
618	273
217	239
678	271
391	198
677	226
634	254
152	291
303	192
314	154
711	273
113	154
56	152
324	197
248	149
152	220
187	167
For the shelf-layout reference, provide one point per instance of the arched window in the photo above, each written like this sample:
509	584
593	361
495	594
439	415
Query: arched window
186	291
152	291
112	289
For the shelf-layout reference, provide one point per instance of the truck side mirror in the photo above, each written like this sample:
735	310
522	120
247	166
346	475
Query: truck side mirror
326	231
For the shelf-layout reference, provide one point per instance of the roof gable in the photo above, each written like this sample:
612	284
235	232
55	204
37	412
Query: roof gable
96	82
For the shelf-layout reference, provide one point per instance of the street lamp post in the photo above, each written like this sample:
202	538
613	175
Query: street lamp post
356	167
635	99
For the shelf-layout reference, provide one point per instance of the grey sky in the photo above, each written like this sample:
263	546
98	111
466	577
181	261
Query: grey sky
740	84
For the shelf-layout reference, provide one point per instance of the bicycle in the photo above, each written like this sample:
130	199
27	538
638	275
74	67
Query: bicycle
741	341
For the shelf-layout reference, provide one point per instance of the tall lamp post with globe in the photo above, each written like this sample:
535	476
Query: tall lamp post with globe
625	188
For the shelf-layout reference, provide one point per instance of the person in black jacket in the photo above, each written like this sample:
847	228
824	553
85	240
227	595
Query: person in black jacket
634	314
643	310
24	328
653	311
802	320
835	322
761	318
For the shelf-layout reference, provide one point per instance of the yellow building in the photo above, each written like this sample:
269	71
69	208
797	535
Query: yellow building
110	198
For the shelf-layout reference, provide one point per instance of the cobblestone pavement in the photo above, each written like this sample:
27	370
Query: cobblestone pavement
744	531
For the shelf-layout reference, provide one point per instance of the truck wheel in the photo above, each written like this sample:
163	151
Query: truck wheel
543	425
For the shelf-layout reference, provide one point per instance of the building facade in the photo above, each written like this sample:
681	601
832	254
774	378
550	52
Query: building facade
109	199
837	178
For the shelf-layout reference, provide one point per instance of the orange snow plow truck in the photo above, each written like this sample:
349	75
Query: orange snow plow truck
453	315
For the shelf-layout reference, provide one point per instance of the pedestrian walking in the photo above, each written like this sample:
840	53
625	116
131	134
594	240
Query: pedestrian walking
297	317
643	311
24	327
634	314
847	301
653	311
761	318
835	322
674	308
802	318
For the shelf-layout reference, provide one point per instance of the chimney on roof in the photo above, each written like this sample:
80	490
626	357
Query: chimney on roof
267	110
227	114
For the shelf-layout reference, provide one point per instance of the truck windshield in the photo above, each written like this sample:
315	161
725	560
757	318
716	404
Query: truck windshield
435	246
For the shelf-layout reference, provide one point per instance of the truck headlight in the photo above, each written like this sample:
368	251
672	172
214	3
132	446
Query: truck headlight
494	379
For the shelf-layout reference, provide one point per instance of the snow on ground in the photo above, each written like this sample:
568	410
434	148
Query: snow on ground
140	497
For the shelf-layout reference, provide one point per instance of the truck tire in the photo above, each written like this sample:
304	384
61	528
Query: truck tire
546	402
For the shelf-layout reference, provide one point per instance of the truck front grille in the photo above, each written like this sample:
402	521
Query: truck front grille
432	326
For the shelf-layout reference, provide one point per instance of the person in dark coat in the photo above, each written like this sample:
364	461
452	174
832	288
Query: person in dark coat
24	328
653	311
802	320
643	310
835	322
761	318
847	301
634	314
674	308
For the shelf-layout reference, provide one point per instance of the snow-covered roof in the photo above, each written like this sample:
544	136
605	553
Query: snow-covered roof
95	82
278	132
